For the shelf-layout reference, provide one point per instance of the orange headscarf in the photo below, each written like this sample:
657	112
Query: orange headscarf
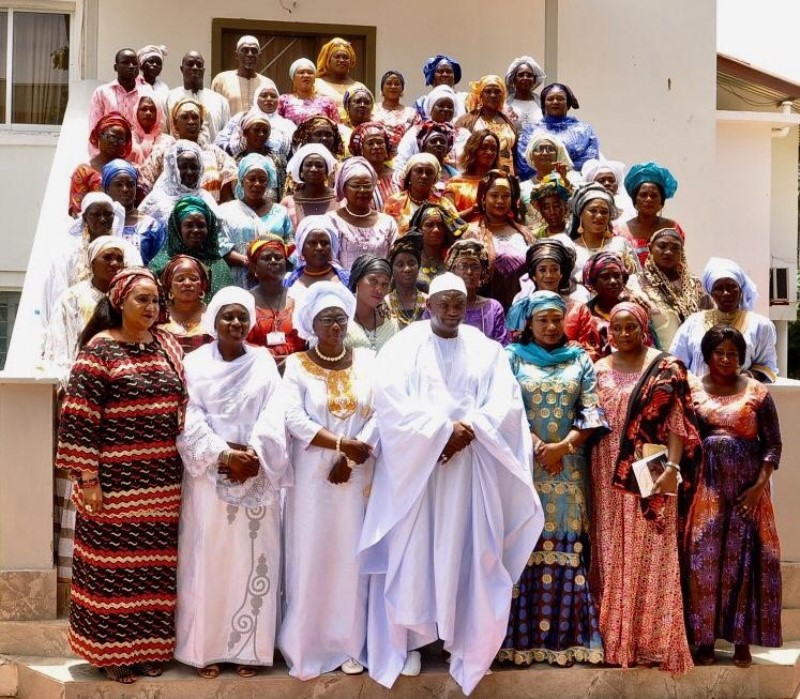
476	87
327	50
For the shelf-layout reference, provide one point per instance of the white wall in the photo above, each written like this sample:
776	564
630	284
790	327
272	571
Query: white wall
407	34
644	74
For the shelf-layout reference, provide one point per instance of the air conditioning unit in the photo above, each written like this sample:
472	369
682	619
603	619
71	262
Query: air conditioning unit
779	286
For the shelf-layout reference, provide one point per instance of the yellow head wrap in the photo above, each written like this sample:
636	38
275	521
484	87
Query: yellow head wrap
327	51
476	87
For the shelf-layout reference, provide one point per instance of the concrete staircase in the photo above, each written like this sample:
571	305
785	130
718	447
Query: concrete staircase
36	663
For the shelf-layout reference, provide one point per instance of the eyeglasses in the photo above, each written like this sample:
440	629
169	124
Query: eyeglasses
328	321
360	186
468	268
544	149
111	138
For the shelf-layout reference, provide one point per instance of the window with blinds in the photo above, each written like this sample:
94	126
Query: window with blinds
9	302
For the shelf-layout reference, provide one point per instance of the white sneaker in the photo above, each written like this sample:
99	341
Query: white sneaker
352	667
413	664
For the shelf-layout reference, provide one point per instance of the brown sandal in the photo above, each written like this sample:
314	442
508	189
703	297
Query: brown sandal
209	672
705	655
246	671
123	674
742	657
151	669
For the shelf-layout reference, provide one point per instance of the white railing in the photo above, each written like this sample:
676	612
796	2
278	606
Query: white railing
23	359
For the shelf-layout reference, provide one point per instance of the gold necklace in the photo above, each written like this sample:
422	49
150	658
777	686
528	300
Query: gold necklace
591	249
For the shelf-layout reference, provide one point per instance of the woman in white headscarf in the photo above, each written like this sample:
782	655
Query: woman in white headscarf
524	75
329	414
310	170
233	448
734	294
304	101
610	174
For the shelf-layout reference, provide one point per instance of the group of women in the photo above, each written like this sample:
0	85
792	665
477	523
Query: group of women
218	422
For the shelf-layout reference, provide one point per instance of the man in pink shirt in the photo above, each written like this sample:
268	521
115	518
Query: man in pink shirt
120	95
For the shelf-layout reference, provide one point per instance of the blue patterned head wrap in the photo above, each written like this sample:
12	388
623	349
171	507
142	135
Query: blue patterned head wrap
429	69
522	309
114	168
650	172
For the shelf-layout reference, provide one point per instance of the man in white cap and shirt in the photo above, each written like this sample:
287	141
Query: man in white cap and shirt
239	86
453	514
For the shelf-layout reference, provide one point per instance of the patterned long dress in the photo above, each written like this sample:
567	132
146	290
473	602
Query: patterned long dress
734	575
635	565
119	422
554	617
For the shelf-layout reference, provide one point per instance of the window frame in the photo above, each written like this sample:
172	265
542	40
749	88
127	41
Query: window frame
49	7
219	25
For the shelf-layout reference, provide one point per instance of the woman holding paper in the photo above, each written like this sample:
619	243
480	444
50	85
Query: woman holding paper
635	565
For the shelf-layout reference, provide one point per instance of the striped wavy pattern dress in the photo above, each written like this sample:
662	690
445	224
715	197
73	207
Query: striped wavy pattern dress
119	422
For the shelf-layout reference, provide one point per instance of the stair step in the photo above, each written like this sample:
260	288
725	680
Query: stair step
775	674
35	638
8	678
790	572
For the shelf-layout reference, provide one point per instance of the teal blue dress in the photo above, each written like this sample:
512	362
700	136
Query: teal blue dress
554	617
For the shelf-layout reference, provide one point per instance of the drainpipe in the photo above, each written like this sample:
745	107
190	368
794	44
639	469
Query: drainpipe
786	108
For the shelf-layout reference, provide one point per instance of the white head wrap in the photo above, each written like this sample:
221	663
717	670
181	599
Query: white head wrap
320	296
225	297
170	178
296	161
151	50
247	40
437	93
721	268
76	229
266	85
419	159
446	282
317	222
352	167
561	152
301	63
538	73
105	242
593	167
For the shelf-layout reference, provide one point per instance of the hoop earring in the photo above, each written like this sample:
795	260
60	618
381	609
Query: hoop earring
580	229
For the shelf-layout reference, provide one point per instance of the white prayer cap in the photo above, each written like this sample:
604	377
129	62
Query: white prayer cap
447	282
320	296
247	40
225	297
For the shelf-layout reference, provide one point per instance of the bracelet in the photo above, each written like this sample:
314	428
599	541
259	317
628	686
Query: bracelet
350	464
339	444
90	482
672	464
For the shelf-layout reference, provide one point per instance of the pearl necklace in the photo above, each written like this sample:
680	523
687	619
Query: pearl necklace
331	360
355	215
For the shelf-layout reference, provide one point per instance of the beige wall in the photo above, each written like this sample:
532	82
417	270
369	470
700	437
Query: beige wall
407	33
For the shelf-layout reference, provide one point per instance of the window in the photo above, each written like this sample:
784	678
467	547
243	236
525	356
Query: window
9	302
284	42
34	67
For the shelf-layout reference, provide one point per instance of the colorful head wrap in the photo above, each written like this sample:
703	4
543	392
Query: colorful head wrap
295	163
302	134
320	296
393	73
183	208
599	262
521	310
108	120
429	69
361	131
650	172
247	40
410	243
328	50
438	93
467	248
350	94
637	311
593	167
419	159
722	268
124	282
587	193
666	233
168	274
454	226
268	242
151	50
563	256
350	168
447	281
429	128
538	137
225	297
116	167
475	97
187	104
538	73
255	161
551	184
301	63
572	101
367	264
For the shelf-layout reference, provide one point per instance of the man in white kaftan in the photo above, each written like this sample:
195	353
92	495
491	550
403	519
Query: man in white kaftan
453	514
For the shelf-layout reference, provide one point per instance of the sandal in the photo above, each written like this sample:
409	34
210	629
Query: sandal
121	673
705	655
209	672
246	671
742	657
151	669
